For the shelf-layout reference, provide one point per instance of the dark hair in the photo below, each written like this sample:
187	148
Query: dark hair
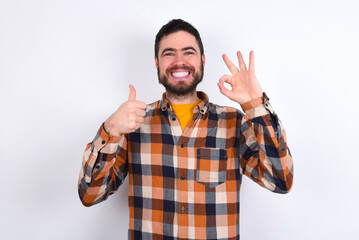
176	25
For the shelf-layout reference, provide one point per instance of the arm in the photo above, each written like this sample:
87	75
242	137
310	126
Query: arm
264	155
104	167
104	164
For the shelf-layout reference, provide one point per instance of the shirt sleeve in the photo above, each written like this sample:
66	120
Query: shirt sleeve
264	154
104	167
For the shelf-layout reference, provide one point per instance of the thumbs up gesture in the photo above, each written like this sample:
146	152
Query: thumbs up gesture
128	117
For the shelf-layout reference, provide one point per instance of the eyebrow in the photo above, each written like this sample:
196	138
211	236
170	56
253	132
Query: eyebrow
183	49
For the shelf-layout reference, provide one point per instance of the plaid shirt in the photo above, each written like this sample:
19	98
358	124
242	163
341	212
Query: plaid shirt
186	184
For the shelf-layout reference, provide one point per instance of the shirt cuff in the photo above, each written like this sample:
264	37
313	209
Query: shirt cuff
106	142
258	107
255	102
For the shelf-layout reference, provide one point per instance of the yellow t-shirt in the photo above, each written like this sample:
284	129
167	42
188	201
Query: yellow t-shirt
184	112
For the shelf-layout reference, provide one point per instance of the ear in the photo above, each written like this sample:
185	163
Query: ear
203	59
156	62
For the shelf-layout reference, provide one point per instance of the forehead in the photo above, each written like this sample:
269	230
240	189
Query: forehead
178	40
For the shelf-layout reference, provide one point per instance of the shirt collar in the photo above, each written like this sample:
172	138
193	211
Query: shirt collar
201	107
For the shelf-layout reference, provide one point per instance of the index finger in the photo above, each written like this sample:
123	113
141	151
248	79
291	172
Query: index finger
140	105
230	65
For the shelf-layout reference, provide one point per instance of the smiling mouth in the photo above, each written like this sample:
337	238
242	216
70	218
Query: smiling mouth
180	74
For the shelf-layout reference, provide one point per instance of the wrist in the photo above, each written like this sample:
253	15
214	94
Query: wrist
107	127
110	129
105	137
254	102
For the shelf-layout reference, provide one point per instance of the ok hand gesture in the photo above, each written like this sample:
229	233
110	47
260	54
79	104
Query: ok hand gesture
245	86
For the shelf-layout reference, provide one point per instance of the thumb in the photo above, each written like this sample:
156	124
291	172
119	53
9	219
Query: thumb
132	96
223	89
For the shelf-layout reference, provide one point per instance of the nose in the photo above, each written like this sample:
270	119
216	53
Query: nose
179	59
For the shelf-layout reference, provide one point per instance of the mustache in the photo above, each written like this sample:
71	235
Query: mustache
170	69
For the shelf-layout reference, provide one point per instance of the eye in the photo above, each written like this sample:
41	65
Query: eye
168	54
188	53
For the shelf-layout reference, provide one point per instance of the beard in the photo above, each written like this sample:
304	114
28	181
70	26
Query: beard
181	88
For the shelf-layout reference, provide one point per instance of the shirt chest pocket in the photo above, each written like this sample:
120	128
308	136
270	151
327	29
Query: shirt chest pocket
211	166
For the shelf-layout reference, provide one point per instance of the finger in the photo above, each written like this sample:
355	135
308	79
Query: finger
229	64
135	127
140	113
140	105
138	125
139	119
226	78
242	64
132	96
223	89
251	61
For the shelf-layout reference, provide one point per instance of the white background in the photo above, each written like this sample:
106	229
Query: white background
65	67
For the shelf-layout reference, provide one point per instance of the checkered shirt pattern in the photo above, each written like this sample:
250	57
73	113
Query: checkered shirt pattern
186	184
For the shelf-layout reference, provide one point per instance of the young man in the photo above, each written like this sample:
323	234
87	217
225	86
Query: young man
185	156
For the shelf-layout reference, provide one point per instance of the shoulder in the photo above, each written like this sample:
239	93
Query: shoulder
224	111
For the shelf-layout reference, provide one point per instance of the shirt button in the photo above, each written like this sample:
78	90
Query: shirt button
182	146
183	208
182	178
202	111
282	146
103	142
174	119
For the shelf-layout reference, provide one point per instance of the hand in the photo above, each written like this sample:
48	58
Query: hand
245	86
128	117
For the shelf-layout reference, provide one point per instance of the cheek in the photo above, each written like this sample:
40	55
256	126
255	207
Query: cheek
197	65
163	65
195	62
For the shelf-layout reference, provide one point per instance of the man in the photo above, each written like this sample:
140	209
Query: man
185	156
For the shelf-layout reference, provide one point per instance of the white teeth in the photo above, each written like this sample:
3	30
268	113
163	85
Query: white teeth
180	74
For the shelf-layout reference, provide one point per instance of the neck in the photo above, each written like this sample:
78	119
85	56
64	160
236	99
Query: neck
183	99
